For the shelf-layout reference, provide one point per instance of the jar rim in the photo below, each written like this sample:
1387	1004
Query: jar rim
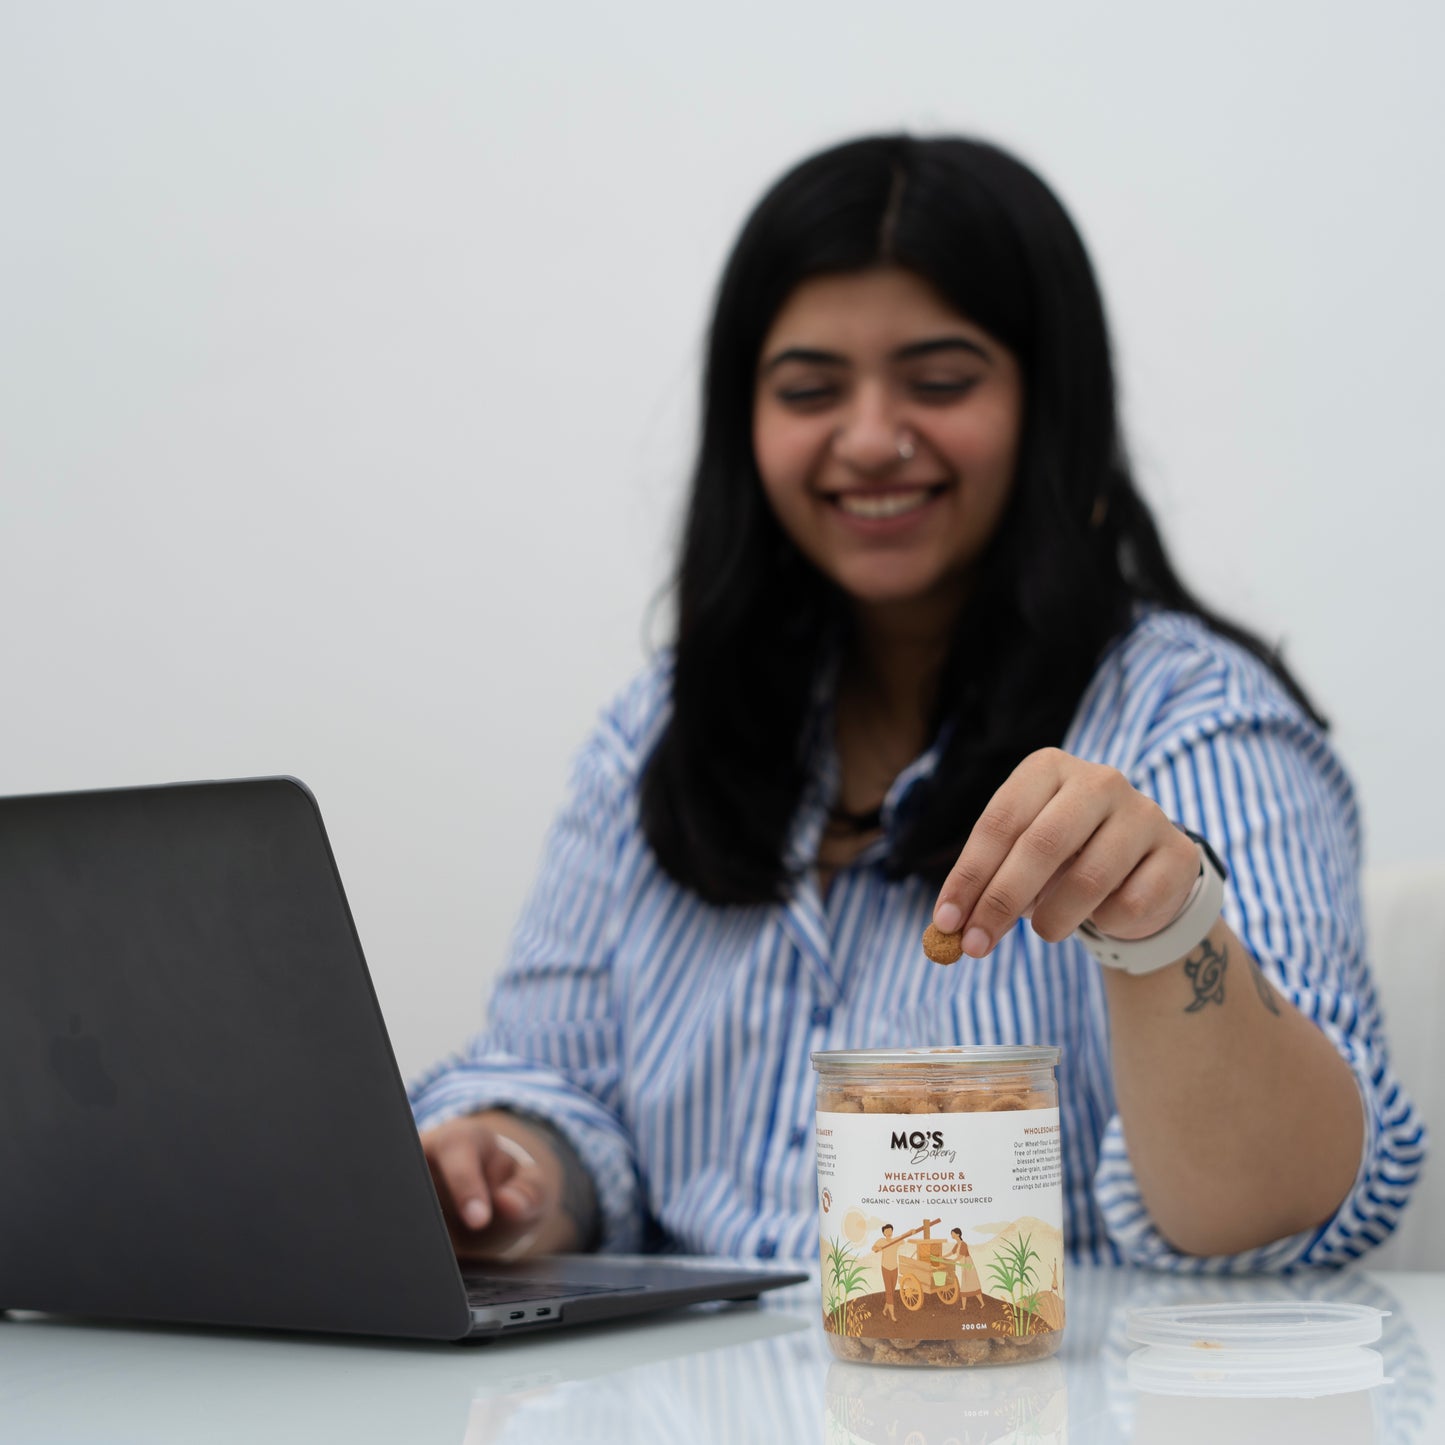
941	1057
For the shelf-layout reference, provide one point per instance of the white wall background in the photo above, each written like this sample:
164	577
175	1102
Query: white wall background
348	355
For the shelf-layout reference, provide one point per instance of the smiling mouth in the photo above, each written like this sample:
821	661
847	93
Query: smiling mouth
879	506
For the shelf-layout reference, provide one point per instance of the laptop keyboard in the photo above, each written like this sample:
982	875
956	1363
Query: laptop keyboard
484	1291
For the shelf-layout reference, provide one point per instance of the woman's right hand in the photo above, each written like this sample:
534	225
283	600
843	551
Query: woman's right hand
500	1186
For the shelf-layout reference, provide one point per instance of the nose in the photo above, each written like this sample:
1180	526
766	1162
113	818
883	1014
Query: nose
870	438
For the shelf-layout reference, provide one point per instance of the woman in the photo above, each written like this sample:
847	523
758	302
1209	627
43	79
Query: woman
969	1285
932	664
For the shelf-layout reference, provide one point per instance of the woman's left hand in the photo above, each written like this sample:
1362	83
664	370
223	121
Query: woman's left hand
1060	842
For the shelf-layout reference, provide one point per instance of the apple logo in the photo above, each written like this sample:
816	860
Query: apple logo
75	1061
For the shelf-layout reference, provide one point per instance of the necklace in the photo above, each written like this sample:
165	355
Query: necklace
868	821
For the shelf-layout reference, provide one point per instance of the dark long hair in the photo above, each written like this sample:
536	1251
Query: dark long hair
1075	549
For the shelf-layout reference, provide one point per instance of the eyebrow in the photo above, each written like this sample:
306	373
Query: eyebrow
932	347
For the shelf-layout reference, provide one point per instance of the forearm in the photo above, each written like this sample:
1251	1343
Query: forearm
1243	1123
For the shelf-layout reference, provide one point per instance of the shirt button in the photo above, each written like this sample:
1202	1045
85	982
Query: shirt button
822	1016
797	1138
767	1248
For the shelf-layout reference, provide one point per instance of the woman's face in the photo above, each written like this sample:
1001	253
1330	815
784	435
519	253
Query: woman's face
886	429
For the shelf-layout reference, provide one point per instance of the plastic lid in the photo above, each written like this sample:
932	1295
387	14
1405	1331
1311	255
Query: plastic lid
1263	1326
943	1058
1244	1374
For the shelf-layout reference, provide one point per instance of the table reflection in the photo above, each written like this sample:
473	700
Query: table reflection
1351	1418
868	1405
763	1390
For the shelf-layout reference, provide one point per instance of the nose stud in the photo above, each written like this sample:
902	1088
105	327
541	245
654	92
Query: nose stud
902	445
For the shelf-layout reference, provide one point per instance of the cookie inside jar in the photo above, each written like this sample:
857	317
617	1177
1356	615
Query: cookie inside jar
940	1205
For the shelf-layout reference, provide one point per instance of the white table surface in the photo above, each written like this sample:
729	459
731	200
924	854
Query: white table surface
738	1375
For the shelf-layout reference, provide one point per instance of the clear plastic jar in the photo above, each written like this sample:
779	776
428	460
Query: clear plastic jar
940	1204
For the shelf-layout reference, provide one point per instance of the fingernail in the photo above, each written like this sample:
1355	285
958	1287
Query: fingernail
976	943
476	1214
947	917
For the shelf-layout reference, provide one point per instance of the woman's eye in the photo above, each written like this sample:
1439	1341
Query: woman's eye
806	396
944	388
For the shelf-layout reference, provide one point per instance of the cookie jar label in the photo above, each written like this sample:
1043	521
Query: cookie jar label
938	1225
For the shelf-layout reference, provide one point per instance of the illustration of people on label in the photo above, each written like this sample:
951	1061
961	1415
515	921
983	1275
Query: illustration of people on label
888	1247
969	1286
913	1290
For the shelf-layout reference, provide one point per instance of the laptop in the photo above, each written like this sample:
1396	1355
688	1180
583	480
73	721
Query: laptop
201	1118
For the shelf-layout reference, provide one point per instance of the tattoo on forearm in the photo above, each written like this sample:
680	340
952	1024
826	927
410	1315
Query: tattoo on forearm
1266	993
1206	975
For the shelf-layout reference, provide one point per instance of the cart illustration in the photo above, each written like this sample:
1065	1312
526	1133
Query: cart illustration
925	1272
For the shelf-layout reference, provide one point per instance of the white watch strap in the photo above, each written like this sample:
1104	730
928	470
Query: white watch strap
1190	927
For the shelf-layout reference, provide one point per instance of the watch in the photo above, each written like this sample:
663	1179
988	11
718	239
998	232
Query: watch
1189	928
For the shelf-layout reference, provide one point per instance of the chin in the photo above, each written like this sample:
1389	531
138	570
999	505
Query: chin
882	595
889	585
888	588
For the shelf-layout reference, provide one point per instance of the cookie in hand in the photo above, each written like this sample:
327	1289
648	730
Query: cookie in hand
942	947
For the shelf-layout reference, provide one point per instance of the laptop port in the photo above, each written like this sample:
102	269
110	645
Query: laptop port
517	1315
542	1312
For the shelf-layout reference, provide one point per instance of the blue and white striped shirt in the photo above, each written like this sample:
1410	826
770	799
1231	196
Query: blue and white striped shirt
669	1039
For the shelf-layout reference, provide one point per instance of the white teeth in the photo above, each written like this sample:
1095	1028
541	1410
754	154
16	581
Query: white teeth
889	504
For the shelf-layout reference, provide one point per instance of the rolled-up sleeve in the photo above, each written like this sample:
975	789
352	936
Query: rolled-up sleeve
553	1043
1229	756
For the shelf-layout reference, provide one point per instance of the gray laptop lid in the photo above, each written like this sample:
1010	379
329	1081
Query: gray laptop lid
178	971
